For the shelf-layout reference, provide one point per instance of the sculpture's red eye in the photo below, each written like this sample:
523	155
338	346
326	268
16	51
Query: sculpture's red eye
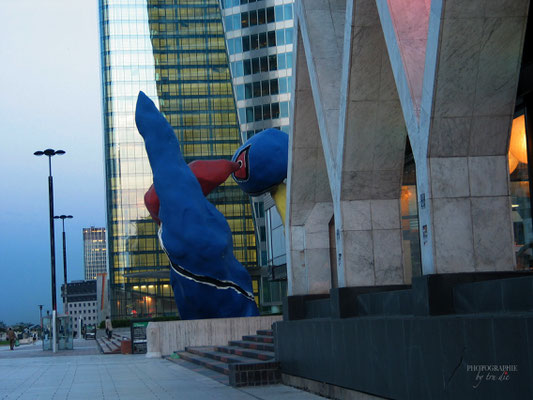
242	159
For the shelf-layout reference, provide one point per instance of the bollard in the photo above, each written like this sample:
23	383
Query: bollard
153	342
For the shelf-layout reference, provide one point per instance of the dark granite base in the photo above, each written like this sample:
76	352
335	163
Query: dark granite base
413	357
454	336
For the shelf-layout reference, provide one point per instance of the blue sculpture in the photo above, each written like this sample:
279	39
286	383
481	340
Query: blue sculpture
263	163
207	279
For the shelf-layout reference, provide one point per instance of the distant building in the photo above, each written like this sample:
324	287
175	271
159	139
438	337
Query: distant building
94	252
82	301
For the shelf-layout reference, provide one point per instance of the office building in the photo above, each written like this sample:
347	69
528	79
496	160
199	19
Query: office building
83	303
94	252
409	215
259	39
175	52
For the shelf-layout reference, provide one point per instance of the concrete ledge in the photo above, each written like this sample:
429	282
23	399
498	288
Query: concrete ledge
170	336
325	389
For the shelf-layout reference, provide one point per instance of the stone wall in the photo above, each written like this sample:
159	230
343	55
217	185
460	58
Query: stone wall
166	337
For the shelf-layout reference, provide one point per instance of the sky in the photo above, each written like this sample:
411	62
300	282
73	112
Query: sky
50	97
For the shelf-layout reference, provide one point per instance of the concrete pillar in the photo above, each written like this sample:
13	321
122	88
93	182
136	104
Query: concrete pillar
457	86
153	341
309	198
322	24
371	154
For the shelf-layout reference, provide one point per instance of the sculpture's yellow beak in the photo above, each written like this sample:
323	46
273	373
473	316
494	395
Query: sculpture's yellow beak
279	194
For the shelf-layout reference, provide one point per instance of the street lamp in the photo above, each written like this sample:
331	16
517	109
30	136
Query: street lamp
62	218
41	317
50	153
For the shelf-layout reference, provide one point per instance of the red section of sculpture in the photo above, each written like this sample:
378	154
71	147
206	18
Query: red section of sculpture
210	174
151	201
242	172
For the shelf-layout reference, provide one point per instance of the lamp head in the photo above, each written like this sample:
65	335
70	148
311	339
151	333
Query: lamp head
63	216
49	152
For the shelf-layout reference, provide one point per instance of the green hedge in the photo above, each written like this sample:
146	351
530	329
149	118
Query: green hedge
126	323
166	318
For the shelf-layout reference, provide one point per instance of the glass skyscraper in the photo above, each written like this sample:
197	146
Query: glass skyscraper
259	38
174	51
94	252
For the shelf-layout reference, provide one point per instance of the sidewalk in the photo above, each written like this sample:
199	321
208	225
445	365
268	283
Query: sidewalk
27	373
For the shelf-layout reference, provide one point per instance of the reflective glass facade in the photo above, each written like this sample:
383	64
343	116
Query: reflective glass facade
520	186
174	51
259	37
94	252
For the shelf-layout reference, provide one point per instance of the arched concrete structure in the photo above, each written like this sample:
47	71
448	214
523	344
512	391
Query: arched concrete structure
470	59
309	198
347	134
450	83
451	70
371	154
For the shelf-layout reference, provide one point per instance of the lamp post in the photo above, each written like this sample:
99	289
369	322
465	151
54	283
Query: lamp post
41	317
50	153
62	218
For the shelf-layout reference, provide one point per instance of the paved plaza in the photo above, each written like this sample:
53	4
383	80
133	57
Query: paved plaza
30	373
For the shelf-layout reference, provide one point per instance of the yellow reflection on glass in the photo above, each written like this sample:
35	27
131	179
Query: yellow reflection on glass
518	143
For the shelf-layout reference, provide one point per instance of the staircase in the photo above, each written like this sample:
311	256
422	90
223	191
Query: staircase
247	362
110	346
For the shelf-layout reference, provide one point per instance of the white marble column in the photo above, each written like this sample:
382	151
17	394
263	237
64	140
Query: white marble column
309	198
371	154
458	115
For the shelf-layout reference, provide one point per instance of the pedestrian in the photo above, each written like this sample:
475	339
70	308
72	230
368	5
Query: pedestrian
108	327
34	337
11	337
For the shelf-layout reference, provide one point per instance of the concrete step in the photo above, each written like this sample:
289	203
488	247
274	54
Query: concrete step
108	347
212	353
247	362
250	353
242	371
206	362
259	338
247	344
199	369
255	373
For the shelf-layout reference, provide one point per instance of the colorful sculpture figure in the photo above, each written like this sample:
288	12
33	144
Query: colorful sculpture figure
207	279
263	163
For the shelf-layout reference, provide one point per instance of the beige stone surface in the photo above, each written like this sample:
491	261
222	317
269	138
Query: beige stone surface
176	335
454	246
388	259
449	177
492	232
488	176
359	258
385	214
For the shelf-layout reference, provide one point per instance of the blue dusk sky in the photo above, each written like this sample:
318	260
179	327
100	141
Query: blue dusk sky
50	98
